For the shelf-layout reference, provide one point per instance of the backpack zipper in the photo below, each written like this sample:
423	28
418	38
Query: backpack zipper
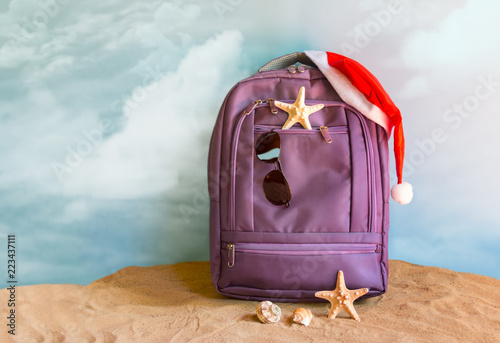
323	130
234	149
315	129
298	249
230	254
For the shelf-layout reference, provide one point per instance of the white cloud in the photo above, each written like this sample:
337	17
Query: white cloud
415	87
166	34
449	59
27	29
28	40
46	123
161	135
169	17
447	50
60	64
74	211
37	131
370	5
464	42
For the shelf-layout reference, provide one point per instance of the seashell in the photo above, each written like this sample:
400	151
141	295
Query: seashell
268	312
302	316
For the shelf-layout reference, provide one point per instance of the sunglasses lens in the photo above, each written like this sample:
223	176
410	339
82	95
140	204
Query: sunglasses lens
276	188
268	147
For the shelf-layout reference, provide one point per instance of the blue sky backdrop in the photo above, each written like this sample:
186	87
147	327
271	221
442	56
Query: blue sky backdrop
107	108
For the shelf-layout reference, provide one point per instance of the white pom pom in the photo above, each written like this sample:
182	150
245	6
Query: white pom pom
402	193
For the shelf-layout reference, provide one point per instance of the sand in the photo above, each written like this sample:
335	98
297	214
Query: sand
177	303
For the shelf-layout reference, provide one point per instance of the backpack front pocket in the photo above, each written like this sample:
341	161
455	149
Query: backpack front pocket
299	267
329	175
319	177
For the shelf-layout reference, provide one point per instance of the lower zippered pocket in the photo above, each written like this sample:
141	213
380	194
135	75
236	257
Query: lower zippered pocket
298	249
300	266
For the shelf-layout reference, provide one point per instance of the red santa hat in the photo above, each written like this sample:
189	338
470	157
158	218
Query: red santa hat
360	89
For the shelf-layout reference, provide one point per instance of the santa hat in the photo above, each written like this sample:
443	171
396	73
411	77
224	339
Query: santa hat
360	89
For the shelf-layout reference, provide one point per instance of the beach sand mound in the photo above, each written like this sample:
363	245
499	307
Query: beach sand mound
178	303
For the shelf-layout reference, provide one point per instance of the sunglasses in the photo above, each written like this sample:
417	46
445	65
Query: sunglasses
275	186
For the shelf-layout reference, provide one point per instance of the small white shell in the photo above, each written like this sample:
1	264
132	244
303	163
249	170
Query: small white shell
302	316
268	312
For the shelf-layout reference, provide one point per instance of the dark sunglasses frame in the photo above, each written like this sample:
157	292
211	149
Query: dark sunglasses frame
275	185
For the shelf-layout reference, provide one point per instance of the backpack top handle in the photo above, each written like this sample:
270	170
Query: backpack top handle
287	60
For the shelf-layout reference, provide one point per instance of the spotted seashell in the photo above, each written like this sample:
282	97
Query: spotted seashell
268	312
302	316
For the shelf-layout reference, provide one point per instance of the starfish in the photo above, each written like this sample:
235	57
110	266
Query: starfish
341	298
298	112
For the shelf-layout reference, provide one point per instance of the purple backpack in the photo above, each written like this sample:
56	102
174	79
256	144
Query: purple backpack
332	185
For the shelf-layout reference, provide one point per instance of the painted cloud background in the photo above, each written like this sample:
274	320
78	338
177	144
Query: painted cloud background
107	108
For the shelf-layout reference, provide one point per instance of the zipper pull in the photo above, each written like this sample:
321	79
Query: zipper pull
230	255
274	109
326	135
252	106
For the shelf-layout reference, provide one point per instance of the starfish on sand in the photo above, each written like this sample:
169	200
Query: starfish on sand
341	298
298	112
